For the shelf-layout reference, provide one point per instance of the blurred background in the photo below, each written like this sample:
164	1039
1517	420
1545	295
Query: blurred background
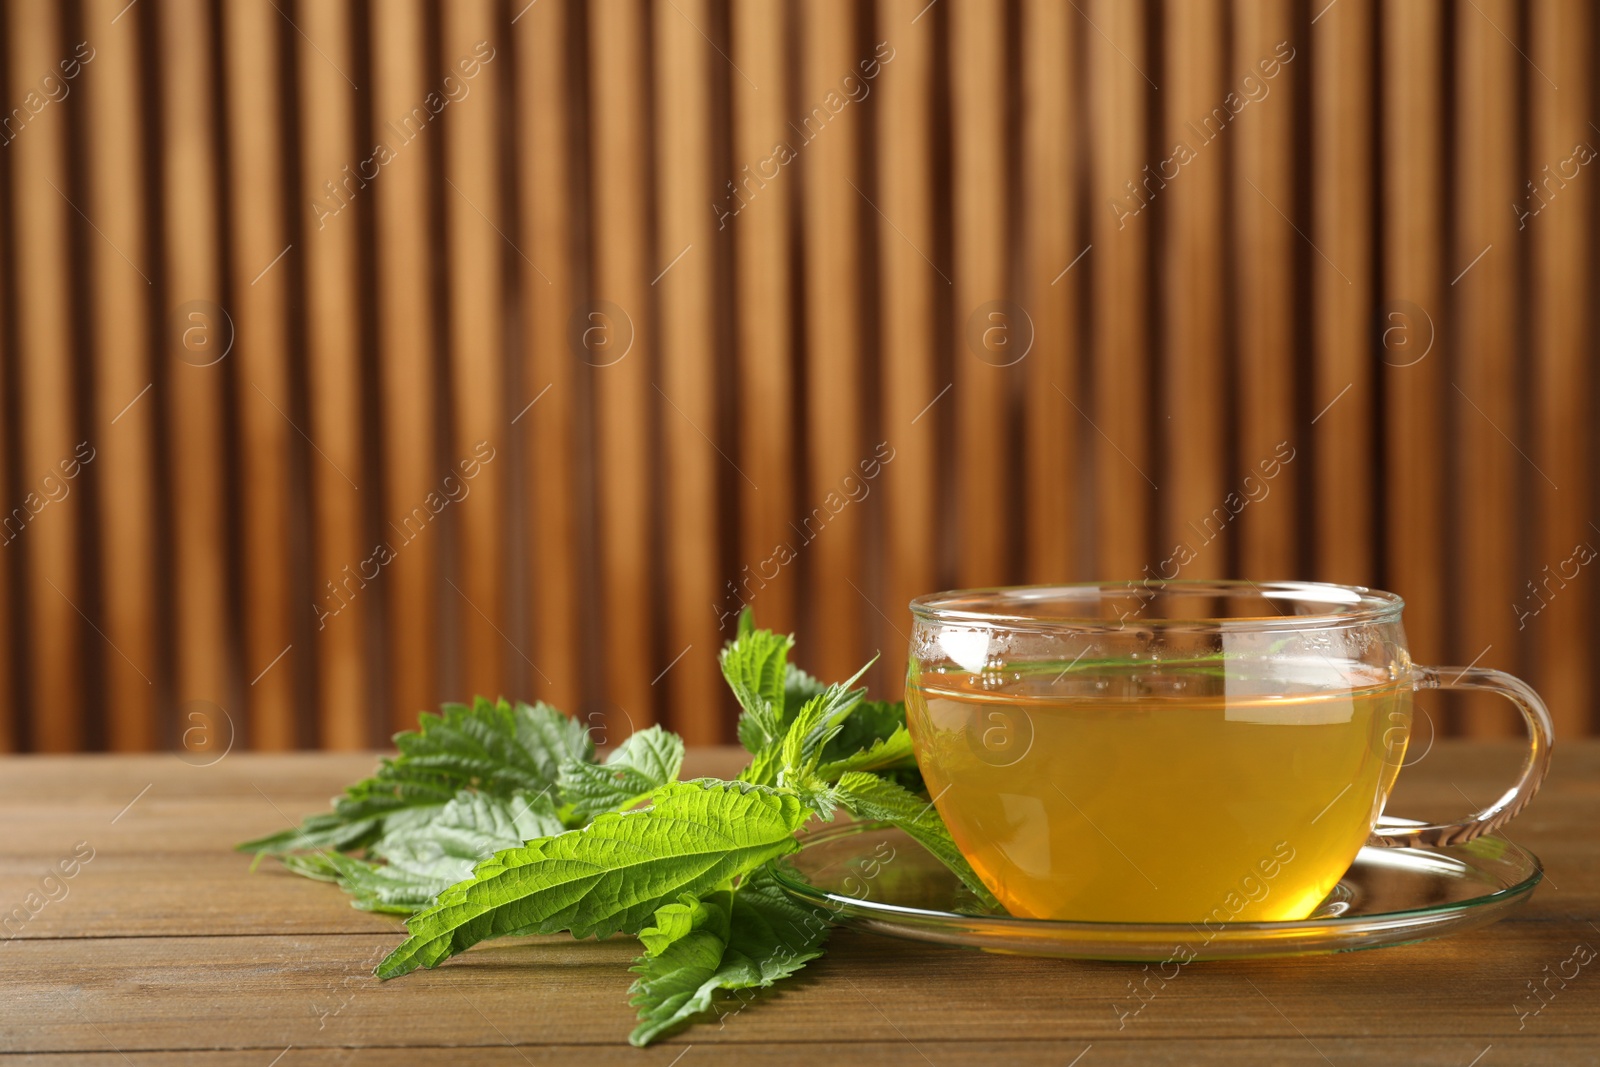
363	354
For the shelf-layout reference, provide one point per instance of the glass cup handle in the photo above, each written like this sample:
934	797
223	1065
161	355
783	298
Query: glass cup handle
1502	811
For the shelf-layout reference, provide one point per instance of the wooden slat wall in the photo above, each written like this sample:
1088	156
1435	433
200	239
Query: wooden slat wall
799	220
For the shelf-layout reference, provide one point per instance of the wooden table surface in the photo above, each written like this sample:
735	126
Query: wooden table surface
166	949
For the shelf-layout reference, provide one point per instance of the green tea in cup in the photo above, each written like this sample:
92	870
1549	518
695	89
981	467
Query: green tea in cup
1174	751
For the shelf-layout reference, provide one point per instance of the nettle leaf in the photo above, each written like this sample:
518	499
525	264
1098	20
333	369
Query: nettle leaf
890	753
820	719
492	747
754	664
645	762
798	687
611	875
746	938
871	721
674	922
867	796
426	858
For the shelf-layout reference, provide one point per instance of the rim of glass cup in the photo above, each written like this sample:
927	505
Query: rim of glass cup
1347	605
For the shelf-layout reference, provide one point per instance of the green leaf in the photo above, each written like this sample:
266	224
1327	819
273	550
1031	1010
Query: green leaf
889	753
674	922
428	858
868	796
798	687
611	875
819	720
746	938
754	665
496	748
645	762
872	721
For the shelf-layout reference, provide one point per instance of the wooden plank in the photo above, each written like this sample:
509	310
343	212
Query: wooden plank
403	204
316	991
1265	246
990	335
688	370
491	663
1412	319
1053	277
1341	278
830	522
252	33
1196	510
342	557
1559	604
624	399
203	626
756	210
549	286
114	117
1488	464
888	1051
914	401
50	435
1119	411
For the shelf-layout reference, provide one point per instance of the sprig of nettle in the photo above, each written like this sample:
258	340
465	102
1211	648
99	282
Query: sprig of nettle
496	820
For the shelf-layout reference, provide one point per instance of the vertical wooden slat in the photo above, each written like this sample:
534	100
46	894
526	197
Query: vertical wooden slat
1051	242
124	413
990	339
830	531
1119	227
688	367
755	205
476	251
1489	467
48	544
1412	319
13	720
1264	256
251	32
1195	507
1341	273
544	89
340	552
624	395
203	638
904	89
1561	602
406	323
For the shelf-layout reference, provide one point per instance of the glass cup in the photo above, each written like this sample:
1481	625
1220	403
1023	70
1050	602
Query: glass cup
1181	751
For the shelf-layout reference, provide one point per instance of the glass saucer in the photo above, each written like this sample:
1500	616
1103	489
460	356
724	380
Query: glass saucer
873	877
